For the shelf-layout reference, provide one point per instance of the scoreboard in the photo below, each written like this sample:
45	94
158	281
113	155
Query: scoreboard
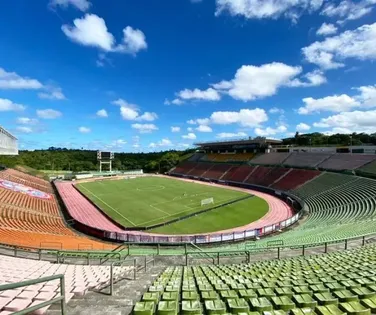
104	155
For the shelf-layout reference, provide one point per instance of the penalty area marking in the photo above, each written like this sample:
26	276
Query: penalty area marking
151	188
108	205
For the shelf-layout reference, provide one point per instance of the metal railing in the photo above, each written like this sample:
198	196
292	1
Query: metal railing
30	309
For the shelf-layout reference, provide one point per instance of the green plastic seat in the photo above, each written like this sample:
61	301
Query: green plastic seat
167	308
350	284
215	307
305	300
318	288
363	292
365	281
228	294
282	303
144	308
345	296
191	308
190	296
325	298
369	303
302	311
268	292
284	284
151	297
302	290
156	288
285	291
329	310
253	285
274	312
237	286
268	284
248	293
237	306
170	296
260	304
172	288
205	287
334	286
209	295
221	287
189	288
355	308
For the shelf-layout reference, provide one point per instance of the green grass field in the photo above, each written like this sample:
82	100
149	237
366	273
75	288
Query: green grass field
151	200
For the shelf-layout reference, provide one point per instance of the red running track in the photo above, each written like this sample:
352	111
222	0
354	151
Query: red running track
83	211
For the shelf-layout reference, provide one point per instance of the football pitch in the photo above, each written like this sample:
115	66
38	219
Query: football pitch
147	201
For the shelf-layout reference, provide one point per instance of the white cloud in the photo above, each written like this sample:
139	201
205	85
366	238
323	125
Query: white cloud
276	110
327	29
27	121
136	146
302	127
91	30
252	82
102	113
82	5
208	95
356	121
52	93
314	78
131	112
175	129
134	40
204	128
189	129
145	128
8	106
267	9
24	129
348	9
199	121
84	130
48	113
190	136
163	143
117	144
147	116
367	96
269	131
12	81
177	101
335	103
245	117
223	135
330	53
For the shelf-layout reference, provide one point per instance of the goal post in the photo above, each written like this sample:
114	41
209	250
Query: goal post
207	201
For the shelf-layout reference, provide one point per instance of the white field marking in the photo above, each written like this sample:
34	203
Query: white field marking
158	187
181	212
108	205
154	207
181	198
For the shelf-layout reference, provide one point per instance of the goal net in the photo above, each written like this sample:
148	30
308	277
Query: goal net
207	201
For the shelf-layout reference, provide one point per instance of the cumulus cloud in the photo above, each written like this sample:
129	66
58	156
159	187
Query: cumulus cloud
26	121
24	129
102	113
253	82
175	129
276	110
302	127
52	93
84	129
145	128
190	136
269	131
356	44
327	29
8	106
91	30
267	9
348	9
356	121
13	81
82	5
244	117
48	113
223	135
189	129
204	128
132	112
314	78
199	121
203	95
163	143
335	103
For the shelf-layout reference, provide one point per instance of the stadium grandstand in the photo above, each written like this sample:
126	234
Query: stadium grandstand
8	143
312	252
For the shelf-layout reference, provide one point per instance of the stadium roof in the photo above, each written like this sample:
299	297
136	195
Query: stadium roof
4	131
258	140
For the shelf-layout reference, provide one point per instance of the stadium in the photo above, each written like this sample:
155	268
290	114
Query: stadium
267	228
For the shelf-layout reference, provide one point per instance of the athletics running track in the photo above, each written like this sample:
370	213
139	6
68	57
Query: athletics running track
83	211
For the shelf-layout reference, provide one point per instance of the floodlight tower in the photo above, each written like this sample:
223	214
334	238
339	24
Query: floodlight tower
105	158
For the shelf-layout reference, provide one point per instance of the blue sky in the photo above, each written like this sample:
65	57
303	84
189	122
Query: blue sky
142	75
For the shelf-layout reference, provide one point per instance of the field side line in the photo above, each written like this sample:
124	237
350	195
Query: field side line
159	209
109	206
181	198
177	213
